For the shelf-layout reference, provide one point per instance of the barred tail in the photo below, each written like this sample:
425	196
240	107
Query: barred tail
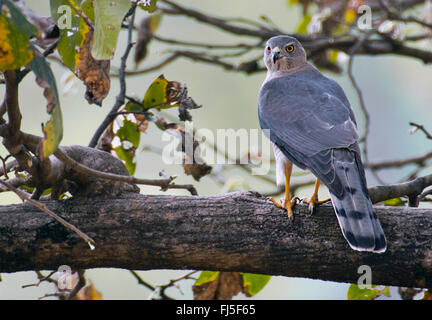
355	213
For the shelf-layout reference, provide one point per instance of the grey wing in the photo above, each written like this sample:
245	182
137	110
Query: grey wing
307	117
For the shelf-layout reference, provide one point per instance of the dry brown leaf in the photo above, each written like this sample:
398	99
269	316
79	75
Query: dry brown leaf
94	73
196	167
225	287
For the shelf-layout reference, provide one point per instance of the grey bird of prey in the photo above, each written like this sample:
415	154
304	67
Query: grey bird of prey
311	124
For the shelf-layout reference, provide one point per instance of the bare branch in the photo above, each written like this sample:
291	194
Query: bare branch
410	188
420	161
421	128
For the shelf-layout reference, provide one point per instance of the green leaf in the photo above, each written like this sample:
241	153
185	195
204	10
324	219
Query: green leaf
355	293
150	8
87	8
127	157
159	94
71	37
108	18
20	20
129	132
254	283
206	276
386	291
53	128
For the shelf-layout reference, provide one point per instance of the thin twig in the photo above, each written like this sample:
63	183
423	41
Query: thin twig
149	286
78	286
206	45
41	278
165	183
172	282
75	165
120	99
419	160
359	92
421	128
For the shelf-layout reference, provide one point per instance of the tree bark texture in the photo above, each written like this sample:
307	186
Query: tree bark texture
231	232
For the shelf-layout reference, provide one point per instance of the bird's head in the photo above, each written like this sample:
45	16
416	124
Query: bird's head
283	53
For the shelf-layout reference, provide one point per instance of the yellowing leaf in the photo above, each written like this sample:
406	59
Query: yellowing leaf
53	133
224	287
75	47
356	293
14	46
254	283
350	15
161	94
394	202
206	276
149	8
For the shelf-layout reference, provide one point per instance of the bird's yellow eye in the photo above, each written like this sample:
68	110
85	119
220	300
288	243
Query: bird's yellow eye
268	49
289	48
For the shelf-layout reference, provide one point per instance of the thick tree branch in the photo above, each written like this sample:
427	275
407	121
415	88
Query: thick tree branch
411	188
231	232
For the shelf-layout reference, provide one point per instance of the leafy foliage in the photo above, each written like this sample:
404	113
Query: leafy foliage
356	293
225	285
254	283
108	16
15	32
394	202
75	45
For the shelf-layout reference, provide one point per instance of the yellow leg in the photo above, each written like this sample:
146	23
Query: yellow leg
287	203
313	201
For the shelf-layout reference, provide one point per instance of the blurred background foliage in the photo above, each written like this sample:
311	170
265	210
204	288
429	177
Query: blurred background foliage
396	90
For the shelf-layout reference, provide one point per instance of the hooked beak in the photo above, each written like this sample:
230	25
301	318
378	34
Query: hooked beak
276	54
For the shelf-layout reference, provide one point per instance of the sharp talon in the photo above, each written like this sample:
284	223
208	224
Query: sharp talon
293	202
286	205
312	210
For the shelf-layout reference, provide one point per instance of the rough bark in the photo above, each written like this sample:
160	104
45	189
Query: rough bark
232	232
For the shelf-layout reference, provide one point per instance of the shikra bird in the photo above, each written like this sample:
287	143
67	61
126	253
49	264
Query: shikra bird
310	123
